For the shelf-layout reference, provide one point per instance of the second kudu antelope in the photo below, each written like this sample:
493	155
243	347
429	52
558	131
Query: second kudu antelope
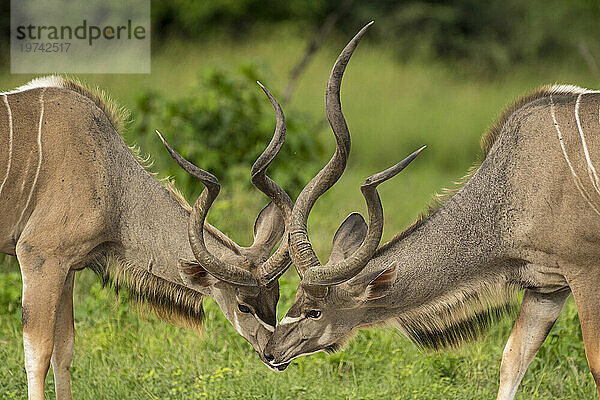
74	196
527	218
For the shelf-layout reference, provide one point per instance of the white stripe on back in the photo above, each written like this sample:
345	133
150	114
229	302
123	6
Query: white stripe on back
591	170
39	143
576	179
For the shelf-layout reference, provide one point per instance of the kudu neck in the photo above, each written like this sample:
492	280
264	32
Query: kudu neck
154	230
462	244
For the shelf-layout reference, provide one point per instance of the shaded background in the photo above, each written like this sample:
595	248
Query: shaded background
428	72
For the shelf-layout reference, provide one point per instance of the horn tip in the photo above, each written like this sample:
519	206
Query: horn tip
416	153
364	28
264	89
162	139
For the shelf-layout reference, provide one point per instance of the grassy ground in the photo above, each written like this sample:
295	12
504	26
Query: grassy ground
391	110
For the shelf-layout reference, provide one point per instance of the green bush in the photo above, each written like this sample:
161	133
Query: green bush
223	125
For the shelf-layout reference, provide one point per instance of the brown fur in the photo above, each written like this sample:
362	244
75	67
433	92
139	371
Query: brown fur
486	143
119	117
173	303
472	326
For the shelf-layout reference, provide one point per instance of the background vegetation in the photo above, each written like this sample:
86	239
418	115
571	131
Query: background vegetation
428	72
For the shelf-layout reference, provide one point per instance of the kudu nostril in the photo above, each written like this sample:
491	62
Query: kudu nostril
269	357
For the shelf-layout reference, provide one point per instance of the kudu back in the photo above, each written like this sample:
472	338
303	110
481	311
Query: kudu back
527	218
74	196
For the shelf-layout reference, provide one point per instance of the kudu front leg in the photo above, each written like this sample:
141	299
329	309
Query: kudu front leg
64	341
536	317
43	283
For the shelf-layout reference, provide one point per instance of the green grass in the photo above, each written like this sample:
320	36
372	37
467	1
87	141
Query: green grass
119	355
391	110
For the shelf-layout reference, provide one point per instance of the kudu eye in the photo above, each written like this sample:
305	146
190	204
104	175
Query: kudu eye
313	314
244	309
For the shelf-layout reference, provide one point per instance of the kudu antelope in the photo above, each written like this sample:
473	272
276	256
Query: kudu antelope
527	218
74	196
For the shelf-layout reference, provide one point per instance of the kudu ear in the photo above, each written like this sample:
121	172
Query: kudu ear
268	229
348	238
379	286
194	275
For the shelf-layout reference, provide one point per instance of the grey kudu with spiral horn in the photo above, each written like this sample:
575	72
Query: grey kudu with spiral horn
74	196
527	218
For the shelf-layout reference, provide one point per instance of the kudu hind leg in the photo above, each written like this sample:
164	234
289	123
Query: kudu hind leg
43	283
64	341
536	317
585	292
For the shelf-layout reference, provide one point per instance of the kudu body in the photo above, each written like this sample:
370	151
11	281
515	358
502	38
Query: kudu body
73	196
526	219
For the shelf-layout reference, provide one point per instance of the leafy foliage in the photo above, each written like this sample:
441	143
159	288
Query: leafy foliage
223	125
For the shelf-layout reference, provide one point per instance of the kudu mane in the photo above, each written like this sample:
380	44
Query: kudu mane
460	316
116	114
173	303
466	313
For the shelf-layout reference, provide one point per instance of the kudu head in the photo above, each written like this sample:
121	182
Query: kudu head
242	280
331	300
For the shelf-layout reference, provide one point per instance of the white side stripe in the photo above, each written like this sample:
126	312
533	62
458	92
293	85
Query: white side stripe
39	142
10	142
576	179
591	170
